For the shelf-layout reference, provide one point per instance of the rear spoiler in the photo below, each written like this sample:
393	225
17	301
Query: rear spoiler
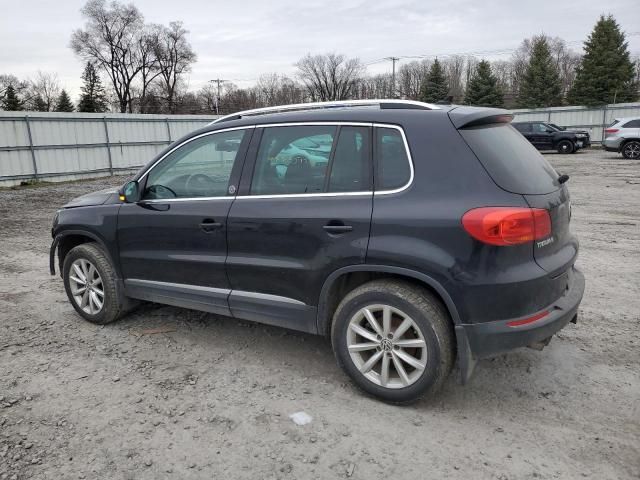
466	117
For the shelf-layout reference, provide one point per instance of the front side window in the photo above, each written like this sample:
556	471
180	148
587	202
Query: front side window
199	168
540	128
394	170
312	159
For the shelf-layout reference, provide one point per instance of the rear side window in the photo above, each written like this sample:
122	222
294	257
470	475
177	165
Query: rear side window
513	163
632	124
393	169
312	159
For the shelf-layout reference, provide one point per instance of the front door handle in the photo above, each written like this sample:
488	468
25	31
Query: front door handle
337	227
209	225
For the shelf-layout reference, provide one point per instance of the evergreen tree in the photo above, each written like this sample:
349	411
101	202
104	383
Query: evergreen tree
541	86
93	98
11	102
606	73
435	87
64	103
483	89
39	105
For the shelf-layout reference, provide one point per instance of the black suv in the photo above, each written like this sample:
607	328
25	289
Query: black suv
548	136
410	234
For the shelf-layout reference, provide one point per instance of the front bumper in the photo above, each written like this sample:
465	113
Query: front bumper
483	340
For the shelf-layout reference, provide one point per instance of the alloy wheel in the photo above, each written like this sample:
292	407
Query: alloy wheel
632	150
386	346
86	286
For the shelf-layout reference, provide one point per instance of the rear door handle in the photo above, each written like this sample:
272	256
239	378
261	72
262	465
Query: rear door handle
337	227
209	225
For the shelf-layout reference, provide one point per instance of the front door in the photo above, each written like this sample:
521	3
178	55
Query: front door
542	138
173	242
304	211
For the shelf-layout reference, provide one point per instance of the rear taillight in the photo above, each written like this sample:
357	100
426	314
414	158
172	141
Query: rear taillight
507	225
610	130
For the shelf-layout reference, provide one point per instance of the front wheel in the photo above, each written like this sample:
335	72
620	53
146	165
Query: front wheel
631	150
90	283
394	339
566	146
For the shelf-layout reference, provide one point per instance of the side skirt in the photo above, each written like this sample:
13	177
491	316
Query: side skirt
253	306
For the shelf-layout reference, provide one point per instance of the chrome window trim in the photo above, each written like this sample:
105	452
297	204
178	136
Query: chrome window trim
340	194
264	296
188	140
293	195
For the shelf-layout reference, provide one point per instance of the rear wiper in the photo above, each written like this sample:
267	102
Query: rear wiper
563	178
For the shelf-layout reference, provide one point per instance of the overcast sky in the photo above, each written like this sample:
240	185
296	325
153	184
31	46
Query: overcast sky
241	39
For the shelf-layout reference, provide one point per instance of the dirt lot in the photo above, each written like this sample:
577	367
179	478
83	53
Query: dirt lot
212	397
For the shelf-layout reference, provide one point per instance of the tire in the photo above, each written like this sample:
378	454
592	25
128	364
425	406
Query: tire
631	150
565	146
92	255
431	324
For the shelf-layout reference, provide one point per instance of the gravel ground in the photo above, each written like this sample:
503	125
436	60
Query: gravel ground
172	393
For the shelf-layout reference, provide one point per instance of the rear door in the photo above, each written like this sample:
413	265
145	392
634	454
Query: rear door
540	136
299	217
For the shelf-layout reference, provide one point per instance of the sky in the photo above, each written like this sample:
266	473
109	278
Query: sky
241	39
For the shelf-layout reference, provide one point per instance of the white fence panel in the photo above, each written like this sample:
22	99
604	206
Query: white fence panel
64	146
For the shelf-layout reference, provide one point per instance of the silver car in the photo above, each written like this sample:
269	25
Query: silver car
623	135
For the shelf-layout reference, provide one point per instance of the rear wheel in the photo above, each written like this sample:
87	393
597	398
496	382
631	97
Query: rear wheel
565	146
394	340
90	283
631	150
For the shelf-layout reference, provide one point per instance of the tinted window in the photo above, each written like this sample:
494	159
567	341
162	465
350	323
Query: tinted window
306	159
513	163
350	165
391	159
540	128
523	127
199	168
632	124
292	160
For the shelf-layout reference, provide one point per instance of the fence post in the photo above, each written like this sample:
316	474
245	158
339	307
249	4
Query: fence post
166	121
33	153
106	135
604	122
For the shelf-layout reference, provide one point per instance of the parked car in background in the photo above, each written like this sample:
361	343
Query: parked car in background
584	135
623	136
543	136
433	233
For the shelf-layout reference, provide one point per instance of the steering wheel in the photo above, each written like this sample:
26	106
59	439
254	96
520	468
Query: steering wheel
160	191
200	183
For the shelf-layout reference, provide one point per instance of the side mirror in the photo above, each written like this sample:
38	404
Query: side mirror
130	193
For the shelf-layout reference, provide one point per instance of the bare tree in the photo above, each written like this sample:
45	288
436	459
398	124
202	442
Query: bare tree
44	88
110	39
273	89
330	76
174	56
411	77
454	67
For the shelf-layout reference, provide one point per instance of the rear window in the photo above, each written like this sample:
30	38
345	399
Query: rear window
513	163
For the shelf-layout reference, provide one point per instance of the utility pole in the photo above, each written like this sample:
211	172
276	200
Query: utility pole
393	75
219	81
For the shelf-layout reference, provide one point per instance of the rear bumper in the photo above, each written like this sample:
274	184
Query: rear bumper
483	340
612	144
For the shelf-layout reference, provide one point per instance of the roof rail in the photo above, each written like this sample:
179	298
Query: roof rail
383	104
